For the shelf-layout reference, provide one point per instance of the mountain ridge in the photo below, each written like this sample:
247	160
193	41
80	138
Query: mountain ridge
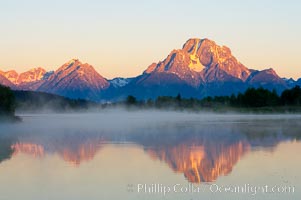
200	68
75	79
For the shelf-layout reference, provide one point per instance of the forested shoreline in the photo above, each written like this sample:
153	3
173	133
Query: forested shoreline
258	100
7	104
253	99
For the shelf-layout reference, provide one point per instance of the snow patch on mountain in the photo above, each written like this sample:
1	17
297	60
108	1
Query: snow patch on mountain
120	82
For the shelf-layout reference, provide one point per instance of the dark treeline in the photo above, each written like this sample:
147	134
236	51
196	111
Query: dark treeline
37	101
251	98
7	101
258	99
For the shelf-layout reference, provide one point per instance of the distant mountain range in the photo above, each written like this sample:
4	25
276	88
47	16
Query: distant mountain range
201	68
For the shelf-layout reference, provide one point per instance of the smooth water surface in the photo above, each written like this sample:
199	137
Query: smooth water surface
151	155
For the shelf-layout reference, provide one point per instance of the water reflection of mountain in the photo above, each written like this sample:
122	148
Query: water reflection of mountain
73	150
199	162
202	152
71	154
35	150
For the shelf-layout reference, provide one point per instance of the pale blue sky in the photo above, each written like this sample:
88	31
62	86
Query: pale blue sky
121	38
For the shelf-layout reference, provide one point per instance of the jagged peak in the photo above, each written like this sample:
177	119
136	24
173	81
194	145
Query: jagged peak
198	61
30	70
9	71
191	41
76	63
198	58
36	69
72	61
75	66
196	41
70	65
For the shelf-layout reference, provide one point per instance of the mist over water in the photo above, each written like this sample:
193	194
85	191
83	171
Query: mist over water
119	122
108	118
198	148
157	127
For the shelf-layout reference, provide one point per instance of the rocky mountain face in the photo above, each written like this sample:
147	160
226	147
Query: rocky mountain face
29	80
201	61
75	80
268	79
32	75
200	68
4	81
11	75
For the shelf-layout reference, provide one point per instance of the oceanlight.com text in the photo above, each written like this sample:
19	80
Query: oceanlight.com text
248	189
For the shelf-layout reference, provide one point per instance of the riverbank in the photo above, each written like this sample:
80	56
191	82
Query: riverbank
10	119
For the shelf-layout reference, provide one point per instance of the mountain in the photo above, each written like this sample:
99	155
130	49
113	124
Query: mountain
268	79
120	82
200	68
29	80
201	61
299	82
11	75
5	81
290	82
75	80
32	75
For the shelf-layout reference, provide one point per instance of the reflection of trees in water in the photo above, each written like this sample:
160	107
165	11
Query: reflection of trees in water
6	151
268	134
202	152
203	155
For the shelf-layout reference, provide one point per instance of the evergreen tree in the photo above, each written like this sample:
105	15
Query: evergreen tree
291	97
7	101
131	100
